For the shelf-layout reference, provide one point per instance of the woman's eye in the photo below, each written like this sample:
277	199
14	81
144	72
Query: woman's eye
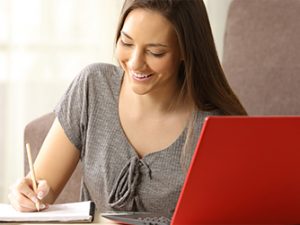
125	43
157	54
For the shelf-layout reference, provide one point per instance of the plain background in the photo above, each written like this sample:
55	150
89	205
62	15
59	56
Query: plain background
36	66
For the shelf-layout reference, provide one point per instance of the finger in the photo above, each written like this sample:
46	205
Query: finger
28	192
23	198
24	204
43	189
21	203
25	188
22	185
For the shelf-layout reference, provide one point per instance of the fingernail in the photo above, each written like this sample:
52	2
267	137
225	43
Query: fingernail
34	199
42	206
40	195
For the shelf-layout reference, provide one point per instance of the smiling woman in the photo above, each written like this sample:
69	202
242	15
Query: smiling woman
134	126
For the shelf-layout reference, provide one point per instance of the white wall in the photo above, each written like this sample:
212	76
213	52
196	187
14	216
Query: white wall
22	100
2	135
217	11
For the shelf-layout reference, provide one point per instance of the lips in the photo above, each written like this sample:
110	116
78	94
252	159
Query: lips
141	76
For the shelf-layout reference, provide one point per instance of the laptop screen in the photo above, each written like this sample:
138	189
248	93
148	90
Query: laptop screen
244	170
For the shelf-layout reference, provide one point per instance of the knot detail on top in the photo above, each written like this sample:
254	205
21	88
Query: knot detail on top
123	191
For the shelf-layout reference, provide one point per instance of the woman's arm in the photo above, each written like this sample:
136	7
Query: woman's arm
56	160
53	167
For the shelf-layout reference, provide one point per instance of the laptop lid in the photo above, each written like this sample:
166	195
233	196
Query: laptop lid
244	170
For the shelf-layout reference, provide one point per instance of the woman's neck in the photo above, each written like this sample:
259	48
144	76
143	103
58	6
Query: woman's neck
156	102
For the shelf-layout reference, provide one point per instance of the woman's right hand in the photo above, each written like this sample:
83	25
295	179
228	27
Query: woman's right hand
24	199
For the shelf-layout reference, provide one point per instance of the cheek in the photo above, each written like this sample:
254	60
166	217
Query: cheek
121	54
163	65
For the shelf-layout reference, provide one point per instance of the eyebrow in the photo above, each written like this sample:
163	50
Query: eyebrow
150	44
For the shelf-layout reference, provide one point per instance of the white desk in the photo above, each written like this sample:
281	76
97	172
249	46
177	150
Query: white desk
97	220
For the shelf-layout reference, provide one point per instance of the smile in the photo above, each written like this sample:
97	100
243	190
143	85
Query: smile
140	76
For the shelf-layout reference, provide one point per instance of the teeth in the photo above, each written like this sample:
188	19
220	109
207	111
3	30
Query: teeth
140	75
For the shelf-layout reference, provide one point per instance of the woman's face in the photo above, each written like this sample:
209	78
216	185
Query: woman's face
148	51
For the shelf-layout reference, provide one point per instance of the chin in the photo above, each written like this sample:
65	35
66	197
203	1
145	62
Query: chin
140	90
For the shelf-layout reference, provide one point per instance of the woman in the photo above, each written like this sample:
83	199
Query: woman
135	126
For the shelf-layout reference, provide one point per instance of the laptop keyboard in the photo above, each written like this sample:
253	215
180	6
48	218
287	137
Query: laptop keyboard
138	218
155	220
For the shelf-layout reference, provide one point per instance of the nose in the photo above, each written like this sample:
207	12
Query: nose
137	61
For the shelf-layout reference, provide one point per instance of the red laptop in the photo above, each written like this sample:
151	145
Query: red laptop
245	170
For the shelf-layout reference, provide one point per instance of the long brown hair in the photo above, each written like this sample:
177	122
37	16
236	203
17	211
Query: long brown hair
201	75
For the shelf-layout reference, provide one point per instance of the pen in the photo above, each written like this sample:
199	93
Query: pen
34	184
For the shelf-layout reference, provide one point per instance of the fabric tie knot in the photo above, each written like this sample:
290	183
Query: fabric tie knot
122	194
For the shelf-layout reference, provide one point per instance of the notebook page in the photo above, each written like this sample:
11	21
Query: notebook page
79	211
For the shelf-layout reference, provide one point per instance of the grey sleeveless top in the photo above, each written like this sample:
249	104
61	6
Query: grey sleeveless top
114	177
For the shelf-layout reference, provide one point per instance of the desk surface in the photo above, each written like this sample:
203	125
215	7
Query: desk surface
98	220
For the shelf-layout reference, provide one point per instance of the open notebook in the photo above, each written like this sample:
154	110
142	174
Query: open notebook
68	212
